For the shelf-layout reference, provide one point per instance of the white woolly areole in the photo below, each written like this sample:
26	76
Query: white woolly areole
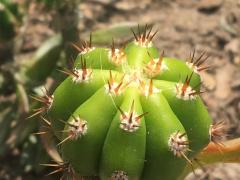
112	88
177	144
187	94
82	75
145	44
119	175
147	93
129	125
78	128
133	77
164	67
193	67
116	57
155	67
87	50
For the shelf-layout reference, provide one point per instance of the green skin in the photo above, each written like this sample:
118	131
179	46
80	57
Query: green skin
67	98
173	74
124	150
106	148
161	122
137	56
192	114
97	59
98	124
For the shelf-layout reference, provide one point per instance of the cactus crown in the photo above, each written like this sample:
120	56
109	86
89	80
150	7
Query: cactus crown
129	113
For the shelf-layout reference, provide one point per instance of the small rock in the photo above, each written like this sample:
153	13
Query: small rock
129	5
235	84
209	6
230	23
237	60
233	46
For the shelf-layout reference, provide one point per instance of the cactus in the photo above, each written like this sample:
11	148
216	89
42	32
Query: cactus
129	113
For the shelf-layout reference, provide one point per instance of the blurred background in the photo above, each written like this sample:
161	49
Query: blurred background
35	40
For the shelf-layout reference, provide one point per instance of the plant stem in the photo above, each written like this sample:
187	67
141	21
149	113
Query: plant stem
227	152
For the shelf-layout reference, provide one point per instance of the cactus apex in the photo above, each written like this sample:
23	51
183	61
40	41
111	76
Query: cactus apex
117	56
115	87
155	66
148	90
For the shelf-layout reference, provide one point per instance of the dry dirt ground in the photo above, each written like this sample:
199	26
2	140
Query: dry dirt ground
212	26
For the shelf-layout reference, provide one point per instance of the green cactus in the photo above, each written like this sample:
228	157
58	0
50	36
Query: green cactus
129	113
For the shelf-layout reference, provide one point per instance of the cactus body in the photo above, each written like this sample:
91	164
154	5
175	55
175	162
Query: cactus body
129	113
